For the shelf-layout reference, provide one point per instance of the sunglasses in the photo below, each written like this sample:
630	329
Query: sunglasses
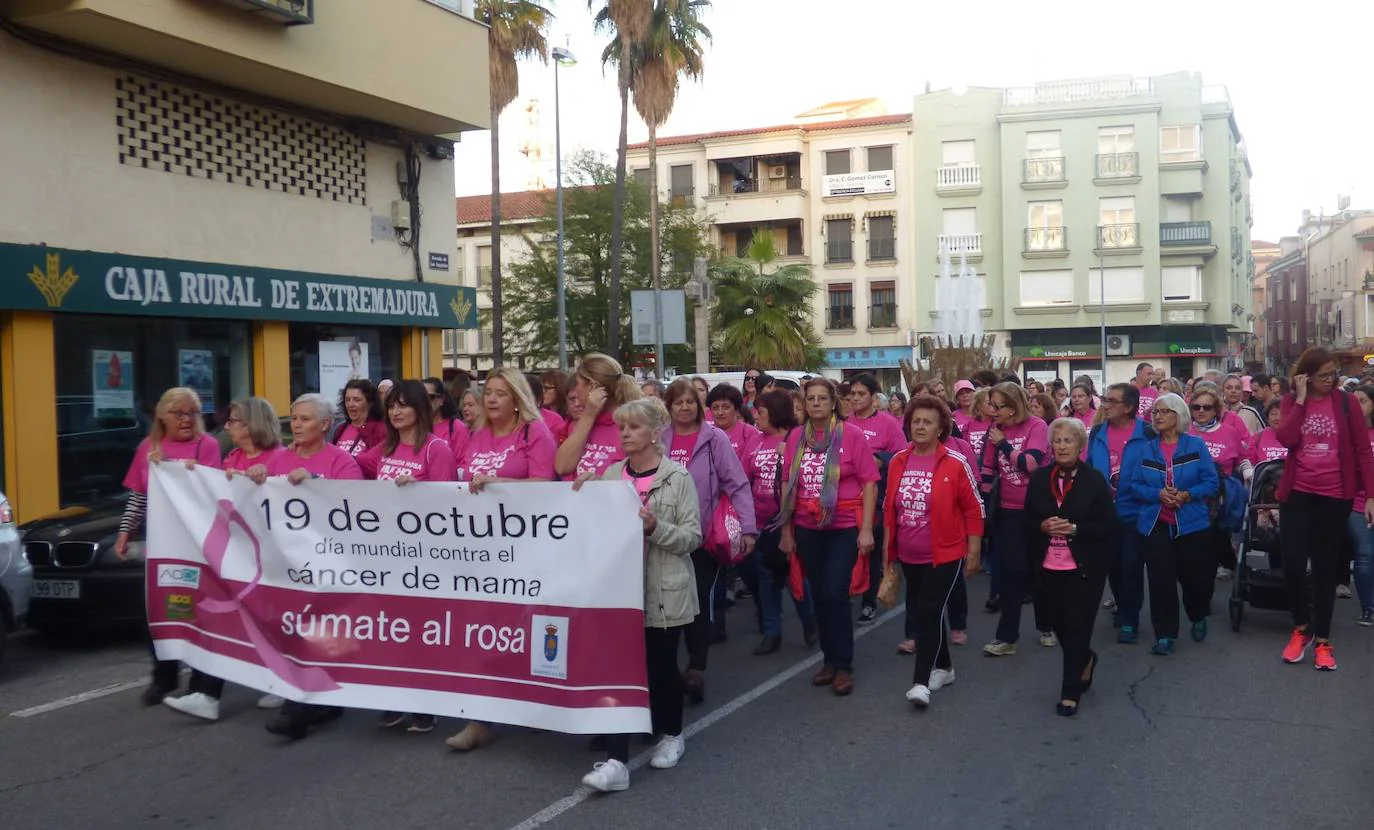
1202	407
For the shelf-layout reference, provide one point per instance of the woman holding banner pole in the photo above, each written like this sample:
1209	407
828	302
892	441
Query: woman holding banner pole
510	443
672	530
411	452
310	456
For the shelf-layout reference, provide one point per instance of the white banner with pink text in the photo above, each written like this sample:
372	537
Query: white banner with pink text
522	604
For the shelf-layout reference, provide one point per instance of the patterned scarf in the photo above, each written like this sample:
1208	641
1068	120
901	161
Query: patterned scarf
828	441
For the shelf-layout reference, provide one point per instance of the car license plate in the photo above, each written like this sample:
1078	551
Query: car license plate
55	589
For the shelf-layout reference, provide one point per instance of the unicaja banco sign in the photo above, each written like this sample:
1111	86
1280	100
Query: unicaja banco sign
37	277
1056	352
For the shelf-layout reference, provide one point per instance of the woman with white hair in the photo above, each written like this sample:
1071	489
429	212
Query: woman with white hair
1175	478
1071	520
672	530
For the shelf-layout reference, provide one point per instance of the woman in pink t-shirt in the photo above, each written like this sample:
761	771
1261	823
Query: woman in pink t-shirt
178	434
1227	442
976	430
553	402
593	441
727	404
1014	449
361	425
1266	446
1082	405
309	457
828	502
964	409
1361	531
448	426
1329	463
256	433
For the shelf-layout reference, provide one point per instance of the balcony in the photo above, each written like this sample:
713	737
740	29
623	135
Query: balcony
881	249
1121	238
1042	173
959	179
1117	168
1045	242
1079	90
756	190
681	197
839	252
1175	234
882	316
969	245
434	82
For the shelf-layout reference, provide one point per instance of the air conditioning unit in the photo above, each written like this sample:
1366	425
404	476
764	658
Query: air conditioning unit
1118	345
777	171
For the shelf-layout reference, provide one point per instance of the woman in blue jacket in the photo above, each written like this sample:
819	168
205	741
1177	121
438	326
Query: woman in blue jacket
1171	485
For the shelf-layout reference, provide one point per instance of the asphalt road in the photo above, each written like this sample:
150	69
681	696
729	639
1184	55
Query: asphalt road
1219	735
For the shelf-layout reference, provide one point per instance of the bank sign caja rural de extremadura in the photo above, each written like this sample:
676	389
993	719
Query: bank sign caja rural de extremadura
42	278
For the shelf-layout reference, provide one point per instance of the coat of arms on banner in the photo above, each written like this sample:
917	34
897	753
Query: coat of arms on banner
552	659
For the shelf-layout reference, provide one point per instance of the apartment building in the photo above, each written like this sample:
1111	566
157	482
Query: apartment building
1063	192
834	189
1262	254
1340	290
231	195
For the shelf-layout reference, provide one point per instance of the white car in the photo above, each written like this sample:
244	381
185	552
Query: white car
15	576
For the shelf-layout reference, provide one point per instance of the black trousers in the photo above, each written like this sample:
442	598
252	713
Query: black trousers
927	595
875	569
665	689
1310	528
1016	570
1180	562
1071	600
702	629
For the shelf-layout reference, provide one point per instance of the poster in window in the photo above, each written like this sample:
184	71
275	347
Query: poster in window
197	371
340	362
112	383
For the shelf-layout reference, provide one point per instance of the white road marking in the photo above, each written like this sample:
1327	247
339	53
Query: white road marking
93	694
580	795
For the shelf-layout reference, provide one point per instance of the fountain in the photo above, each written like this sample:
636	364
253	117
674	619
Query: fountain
959	347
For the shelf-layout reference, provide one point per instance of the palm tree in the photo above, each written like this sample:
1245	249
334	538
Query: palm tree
629	21
672	48
762	314
515	30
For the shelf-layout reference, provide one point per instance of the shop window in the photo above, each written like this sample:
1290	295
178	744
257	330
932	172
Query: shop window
111	372
377	355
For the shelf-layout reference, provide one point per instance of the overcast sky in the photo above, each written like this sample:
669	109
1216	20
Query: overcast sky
1297	83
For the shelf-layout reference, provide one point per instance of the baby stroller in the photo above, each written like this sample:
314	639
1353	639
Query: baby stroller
1259	568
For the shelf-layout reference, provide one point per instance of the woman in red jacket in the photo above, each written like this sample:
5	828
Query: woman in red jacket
933	526
1329	461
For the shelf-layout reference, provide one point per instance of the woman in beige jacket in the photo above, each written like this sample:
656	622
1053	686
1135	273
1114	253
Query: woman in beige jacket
672	530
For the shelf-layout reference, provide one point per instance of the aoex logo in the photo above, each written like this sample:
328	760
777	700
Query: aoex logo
178	576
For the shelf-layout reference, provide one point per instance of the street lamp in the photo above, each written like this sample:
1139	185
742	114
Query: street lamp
561	57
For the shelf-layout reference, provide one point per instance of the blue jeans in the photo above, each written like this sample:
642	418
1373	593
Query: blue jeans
828	556
1127	575
1362	537
769	589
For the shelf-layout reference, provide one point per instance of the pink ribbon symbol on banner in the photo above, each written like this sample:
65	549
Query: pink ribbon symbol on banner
307	679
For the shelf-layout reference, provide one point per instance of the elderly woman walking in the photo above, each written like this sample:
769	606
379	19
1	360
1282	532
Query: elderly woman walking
1071	520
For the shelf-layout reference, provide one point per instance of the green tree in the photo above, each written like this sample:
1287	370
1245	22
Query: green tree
515	30
588	199
762	313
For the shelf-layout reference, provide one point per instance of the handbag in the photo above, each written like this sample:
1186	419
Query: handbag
890	586
725	534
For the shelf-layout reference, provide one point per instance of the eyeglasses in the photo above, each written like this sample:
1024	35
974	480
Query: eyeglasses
1115	401
999	405
232	421
1328	375
1202	407
435	396
183	414
1160	413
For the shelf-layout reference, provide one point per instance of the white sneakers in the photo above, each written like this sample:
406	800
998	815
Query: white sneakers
608	777
918	696
668	752
197	705
612	776
271	702
940	678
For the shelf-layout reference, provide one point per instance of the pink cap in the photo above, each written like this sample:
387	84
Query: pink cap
962	385
1245	383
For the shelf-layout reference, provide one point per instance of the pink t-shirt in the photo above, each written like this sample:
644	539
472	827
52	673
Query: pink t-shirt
1117	438
962	420
1266	447
682	445
1058	557
1317	458
238	460
975	434
434	462
641	484
331	462
558	427
761	460
356	441
1085	418
454	433
602	448
1166	514
1148	396
203	449
1224	446
883	432
740	435
1361	496
913	510
1030	434
524	453
857	468
964	449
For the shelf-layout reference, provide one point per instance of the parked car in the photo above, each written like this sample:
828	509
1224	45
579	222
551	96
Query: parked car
78	582
15	576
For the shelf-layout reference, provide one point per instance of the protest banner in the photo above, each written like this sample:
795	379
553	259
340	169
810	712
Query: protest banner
522	604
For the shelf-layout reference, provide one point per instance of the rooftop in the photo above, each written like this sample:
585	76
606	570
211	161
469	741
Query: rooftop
516	206
819	126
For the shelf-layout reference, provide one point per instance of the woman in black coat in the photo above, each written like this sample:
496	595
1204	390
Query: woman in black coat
1071	518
